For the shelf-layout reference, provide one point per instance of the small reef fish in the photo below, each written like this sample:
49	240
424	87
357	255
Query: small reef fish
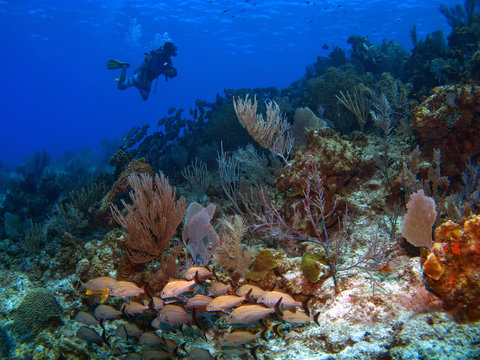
133	356
149	339
125	289
100	285
296	317
234	350
128	331
199	354
157	303
89	335
172	315
106	312
170	344
223	302
86	318
122	332
218	288
270	298
254	291
247	314
240	351
199	302
276	329
175	288
151	354
133	307
198	273
239	337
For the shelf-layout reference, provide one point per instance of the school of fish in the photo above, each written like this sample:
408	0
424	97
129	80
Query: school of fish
190	306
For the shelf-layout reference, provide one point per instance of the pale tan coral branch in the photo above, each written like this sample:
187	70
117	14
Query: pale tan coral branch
272	133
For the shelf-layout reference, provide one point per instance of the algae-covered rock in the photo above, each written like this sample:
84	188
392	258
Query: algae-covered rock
263	263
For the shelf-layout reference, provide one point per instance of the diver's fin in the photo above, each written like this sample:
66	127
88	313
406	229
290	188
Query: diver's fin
113	64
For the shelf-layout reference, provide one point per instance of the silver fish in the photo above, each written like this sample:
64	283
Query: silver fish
218	288
198	272
254	291
86	318
133	307
129	330
156	355
198	302
199	354
297	317
247	314
175	288
106	312
238	337
174	315
89	335
270	298
149	339
125	289
224	302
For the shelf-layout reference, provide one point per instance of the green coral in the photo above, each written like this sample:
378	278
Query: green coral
321	91
87	196
310	266
34	313
263	263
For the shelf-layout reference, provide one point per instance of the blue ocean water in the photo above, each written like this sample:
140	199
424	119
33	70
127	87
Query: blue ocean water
56	93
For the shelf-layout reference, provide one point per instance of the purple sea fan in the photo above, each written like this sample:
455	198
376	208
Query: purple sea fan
199	236
419	219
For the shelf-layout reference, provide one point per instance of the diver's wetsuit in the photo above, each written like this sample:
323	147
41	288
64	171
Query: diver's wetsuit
156	63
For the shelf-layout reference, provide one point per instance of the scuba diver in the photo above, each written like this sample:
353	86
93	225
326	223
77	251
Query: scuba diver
156	63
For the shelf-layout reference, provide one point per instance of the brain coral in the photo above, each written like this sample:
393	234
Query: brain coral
5	344
449	120
34	313
452	269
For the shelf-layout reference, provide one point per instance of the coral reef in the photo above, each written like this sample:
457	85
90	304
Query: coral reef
451	269
328	276
322	91
340	163
449	120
